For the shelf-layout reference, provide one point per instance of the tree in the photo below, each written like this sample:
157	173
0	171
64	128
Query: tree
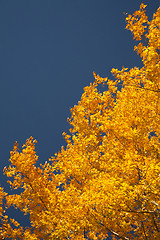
107	180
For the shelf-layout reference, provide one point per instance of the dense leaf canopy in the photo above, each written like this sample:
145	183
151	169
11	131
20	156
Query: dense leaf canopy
106	182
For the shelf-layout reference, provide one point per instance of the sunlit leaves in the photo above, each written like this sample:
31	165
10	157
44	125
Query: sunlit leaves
106	181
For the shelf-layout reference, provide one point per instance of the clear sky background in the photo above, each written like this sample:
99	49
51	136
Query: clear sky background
48	52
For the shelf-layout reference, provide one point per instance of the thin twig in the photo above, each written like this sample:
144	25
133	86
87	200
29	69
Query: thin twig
144	230
155	224
116	234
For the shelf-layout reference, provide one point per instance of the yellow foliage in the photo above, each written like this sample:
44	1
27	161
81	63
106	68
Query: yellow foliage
107	180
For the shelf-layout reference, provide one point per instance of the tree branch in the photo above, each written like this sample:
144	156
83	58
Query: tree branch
116	234
35	192
155	224
111	231
144	230
132	211
148	89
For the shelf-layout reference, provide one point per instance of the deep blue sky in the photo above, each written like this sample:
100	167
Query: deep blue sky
48	52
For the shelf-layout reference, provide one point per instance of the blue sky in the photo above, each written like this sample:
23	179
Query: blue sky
48	52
